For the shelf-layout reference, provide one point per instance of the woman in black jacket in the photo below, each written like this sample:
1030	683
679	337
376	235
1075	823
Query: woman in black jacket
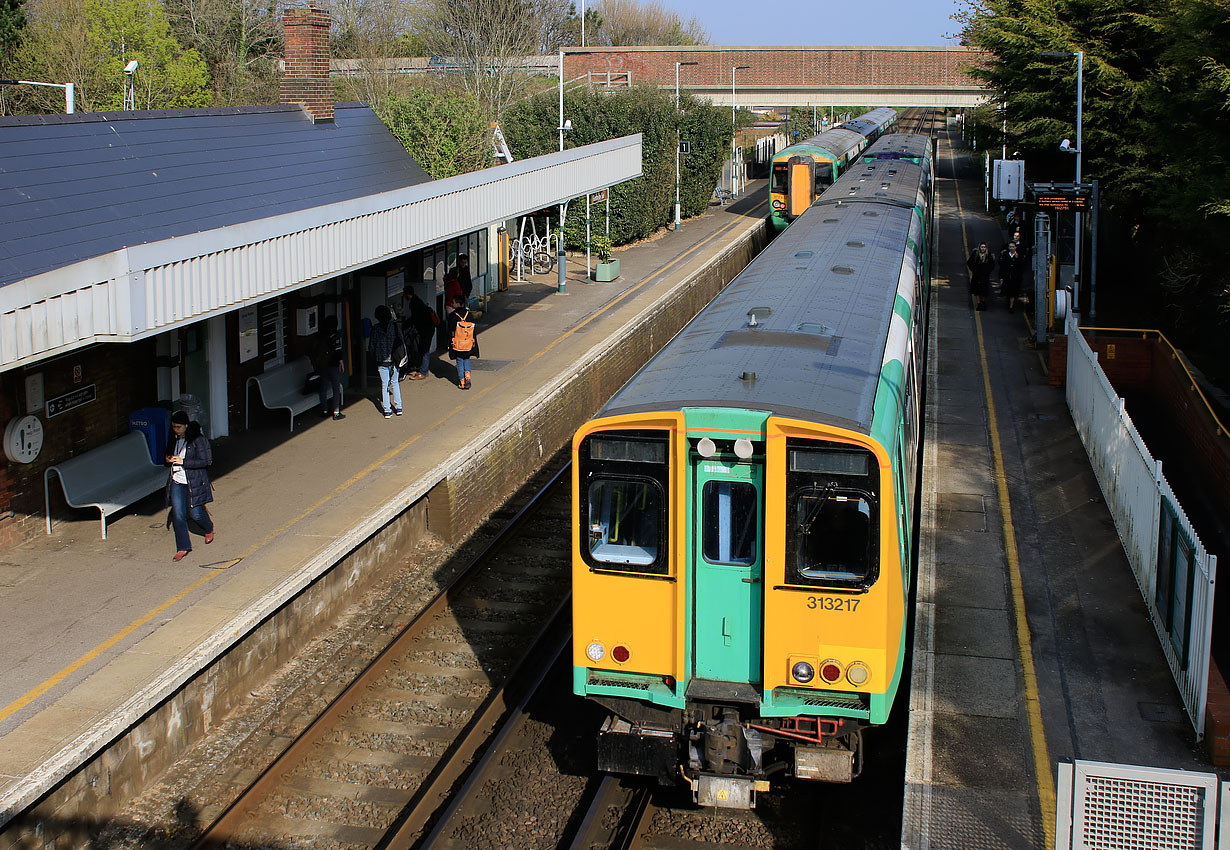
188	487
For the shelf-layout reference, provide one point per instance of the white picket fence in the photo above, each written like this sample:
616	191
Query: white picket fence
1174	571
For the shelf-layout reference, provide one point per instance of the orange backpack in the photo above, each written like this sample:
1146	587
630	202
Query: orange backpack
463	335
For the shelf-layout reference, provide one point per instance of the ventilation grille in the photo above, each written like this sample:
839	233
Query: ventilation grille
1134	813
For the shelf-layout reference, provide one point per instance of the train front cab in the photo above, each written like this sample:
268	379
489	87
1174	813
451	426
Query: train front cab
738	597
796	181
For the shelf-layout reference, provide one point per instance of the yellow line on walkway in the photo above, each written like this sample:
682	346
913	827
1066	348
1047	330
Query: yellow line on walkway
1037	734
33	694
36	692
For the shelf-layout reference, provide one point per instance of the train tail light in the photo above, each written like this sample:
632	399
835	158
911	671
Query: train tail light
621	654
830	670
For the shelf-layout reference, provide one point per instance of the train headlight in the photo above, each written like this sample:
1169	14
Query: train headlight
779	205
857	673
595	651
830	670
803	672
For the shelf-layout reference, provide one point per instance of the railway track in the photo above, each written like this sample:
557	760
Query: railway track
375	763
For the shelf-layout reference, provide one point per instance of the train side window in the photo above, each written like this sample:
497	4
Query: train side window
625	524
729	512
834	535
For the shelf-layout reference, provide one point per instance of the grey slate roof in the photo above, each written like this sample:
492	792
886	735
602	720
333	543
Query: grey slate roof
823	294
73	187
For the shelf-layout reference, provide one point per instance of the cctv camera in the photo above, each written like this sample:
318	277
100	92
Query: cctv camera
567	123
1065	145
130	67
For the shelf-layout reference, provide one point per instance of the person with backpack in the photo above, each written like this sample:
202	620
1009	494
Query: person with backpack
424	320
387	349
462	341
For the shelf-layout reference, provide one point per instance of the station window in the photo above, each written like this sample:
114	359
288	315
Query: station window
623	490
832	515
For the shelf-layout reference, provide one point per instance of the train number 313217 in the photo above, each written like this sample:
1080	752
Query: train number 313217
832	603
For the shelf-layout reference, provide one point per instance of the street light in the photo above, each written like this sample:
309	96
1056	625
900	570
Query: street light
733	185
70	90
678	65
562	279
1066	147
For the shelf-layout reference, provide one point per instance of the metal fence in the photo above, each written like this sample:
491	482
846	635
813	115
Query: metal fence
1174	571
1104	806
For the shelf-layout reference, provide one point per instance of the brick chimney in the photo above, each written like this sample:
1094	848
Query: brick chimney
306	80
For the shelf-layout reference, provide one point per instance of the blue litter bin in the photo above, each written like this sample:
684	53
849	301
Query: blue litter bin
155	424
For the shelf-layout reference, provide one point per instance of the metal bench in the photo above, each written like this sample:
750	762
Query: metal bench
282	387
110	477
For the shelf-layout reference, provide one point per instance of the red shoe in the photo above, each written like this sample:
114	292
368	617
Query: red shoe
179	556
209	537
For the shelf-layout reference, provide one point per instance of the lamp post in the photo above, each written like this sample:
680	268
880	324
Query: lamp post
70	90
1080	105
678	65
582	23
562	280
734	190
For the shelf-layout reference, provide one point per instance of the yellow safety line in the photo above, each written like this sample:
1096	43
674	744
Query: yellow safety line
36	692
1037	734
40	689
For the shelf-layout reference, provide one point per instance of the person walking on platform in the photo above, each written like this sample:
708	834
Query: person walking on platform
463	341
1011	267
188	486
424	320
388	351
980	264
328	360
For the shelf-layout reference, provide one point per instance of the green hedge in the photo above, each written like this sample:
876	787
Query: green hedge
642	206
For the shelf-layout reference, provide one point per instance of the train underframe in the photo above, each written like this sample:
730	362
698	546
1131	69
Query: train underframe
726	752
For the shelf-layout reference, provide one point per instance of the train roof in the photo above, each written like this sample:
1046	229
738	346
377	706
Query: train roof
836	142
886	181
822	295
900	146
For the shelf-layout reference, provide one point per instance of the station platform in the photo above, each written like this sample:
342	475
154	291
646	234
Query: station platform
99	632
1032	643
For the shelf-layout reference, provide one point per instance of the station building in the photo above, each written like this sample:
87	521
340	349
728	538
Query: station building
159	259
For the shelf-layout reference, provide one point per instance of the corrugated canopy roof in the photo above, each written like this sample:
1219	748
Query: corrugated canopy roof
73	187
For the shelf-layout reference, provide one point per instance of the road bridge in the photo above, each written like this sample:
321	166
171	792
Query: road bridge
795	76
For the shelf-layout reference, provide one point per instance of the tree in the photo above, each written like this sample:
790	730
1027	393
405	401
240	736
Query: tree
483	44
240	41
88	43
12	23
629	22
446	131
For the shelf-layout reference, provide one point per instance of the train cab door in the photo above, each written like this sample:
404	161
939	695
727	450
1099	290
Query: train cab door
802	185
728	563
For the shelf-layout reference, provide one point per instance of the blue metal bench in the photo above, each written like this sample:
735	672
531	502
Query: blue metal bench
282	388
110	477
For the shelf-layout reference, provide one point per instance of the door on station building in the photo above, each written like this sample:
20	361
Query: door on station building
195	392
728	559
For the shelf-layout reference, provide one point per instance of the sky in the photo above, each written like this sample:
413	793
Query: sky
886	22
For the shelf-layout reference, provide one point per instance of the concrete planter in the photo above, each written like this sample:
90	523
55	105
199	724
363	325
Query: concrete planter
606	272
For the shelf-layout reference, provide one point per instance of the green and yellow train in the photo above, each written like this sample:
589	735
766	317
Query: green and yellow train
802	172
743	508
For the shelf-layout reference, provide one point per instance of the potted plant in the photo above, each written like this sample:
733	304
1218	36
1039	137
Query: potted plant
608	267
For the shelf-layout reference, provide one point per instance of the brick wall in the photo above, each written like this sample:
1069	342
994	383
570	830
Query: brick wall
1217	719
306	81
780	67
124	382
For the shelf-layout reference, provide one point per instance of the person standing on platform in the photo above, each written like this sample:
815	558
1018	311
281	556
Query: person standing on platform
1011	267
424	320
328	360
452	288
980	264
464	278
188	486
463	342
387	348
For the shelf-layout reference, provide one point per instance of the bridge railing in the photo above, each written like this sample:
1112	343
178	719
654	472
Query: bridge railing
1176	574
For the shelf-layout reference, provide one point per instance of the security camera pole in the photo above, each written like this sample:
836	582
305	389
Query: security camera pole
130	88
1080	76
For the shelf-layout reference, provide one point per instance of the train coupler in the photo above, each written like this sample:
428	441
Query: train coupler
726	792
